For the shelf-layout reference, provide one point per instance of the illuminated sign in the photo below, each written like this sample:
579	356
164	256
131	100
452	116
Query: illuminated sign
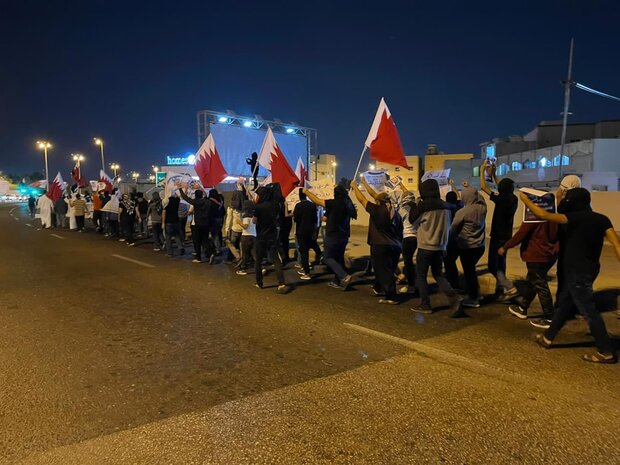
188	159
160	176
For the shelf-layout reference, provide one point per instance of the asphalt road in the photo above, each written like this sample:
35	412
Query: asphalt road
111	354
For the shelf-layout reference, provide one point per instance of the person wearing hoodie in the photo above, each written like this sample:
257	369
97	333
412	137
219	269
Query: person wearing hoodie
154	213
432	220
453	204
506	203
585	233
539	244
385	236
468	228
410	241
201	223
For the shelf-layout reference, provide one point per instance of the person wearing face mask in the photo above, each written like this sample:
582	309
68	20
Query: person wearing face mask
385	237
585	232
501	230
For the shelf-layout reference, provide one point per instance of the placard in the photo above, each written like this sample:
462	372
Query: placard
542	199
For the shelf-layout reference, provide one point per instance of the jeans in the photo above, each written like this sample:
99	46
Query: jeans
216	233
60	220
127	225
578	291
173	229
143	226
410	244
79	220
113	227
200	237
449	262
247	251
384	261
158	238
497	265
333	250
264	248
182	227
432	259
284	238
469	260
537	278
97	220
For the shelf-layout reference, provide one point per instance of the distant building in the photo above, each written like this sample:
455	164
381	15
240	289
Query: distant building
592	151
410	176
323	168
435	160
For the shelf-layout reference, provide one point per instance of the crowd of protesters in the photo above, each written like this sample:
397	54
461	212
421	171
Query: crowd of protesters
430	233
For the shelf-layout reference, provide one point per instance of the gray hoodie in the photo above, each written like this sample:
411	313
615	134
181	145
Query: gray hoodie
469	222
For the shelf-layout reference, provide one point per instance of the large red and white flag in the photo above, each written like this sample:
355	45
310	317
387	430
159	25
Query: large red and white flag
76	175
272	159
301	173
383	139
107	180
208	164
56	188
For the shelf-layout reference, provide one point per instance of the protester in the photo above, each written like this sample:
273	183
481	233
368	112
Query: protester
433	222
453	204
248	238
105	216
127	216
233	219
142	207
305	216
216	222
200	221
501	229
385	235
410	241
266	219
60	209
172	224
585	233
339	211
539	246
468	230
32	205
97	205
80	209
285	225
183	214
252	160
154	213
46	209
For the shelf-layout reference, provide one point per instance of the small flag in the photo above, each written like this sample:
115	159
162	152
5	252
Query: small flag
76	175
383	139
301	173
107	180
56	188
272	159
208	164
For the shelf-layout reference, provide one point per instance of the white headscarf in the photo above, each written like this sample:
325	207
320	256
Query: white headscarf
570	182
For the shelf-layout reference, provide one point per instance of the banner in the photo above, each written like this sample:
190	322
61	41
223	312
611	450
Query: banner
542	199
322	188
376	180
170	183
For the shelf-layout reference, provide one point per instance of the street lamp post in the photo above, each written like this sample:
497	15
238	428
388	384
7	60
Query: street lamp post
334	165
115	167
78	158
44	145
99	142
135	175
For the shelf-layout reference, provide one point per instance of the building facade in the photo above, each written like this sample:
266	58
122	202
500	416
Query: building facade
324	168
436	160
410	175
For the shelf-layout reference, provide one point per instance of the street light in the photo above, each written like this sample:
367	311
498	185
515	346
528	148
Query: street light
99	142
334	164
371	166
45	145
115	167
135	175
155	169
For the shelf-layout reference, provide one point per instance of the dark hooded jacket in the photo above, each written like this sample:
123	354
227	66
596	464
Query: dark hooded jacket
431	218
469	222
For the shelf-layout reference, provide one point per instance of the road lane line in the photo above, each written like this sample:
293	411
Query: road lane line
56	236
137	262
29	225
445	356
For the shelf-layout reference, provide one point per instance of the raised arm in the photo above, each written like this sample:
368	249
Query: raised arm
314	198
358	194
612	237
542	214
483	181
369	189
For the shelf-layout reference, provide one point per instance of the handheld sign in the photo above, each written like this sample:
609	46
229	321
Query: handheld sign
542	199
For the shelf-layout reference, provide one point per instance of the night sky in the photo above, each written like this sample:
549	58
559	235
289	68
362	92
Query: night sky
454	73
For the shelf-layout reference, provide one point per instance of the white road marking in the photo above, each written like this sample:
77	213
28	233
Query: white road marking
29	225
137	262
15	218
444	356
56	236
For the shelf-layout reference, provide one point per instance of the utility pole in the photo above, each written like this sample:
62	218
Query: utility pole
567	85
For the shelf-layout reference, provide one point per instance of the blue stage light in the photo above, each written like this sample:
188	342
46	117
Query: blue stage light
247	124
223	119
290	130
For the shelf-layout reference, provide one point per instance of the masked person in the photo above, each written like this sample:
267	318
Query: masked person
200	228
127	216
433	222
305	216
172	224
501	229
585	232
154	213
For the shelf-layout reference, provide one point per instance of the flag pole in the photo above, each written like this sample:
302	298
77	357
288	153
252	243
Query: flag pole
358	164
